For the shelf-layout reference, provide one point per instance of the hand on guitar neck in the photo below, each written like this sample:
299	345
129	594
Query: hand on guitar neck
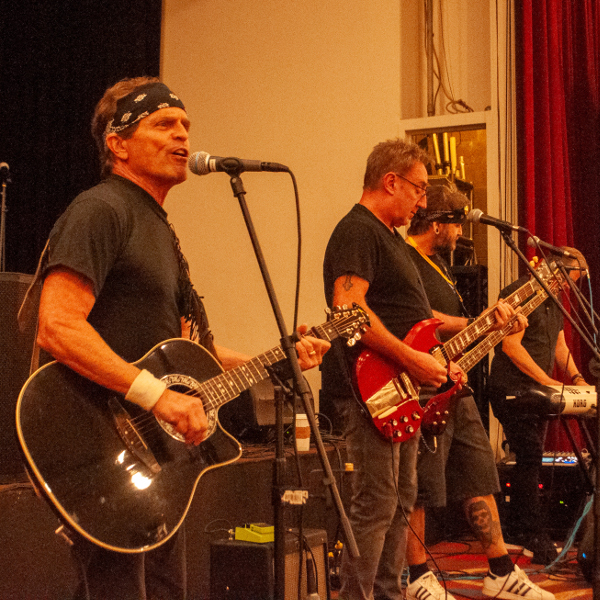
186	412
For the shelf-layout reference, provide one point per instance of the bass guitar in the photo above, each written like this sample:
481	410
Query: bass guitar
113	472
391	395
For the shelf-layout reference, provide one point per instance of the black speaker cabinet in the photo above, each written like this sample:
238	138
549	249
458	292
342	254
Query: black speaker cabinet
34	561
14	370
562	494
245	570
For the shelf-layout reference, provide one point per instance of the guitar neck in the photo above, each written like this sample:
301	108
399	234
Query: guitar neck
469	360
229	385
456	345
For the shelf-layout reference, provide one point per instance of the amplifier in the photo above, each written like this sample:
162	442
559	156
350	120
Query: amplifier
562	493
244	570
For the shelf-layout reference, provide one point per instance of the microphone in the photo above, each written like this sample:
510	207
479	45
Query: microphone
477	216
534	242
4	172
202	163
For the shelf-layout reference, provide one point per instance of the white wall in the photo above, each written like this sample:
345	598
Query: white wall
313	85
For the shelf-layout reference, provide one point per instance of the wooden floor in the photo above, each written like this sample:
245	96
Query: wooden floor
463	567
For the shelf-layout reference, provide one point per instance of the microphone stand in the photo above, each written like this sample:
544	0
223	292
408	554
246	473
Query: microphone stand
3	228
596	357
288	346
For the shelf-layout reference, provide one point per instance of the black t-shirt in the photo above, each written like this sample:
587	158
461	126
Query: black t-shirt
117	236
362	245
545	324
442	296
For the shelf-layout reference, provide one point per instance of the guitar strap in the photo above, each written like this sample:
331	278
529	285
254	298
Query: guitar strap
28	311
440	270
342	358
192	307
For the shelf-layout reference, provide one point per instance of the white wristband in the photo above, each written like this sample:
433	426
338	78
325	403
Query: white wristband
146	390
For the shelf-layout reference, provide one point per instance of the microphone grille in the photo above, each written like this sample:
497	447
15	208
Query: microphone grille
198	163
474	215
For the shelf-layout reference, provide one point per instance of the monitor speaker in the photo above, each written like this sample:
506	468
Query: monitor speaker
14	370
244	570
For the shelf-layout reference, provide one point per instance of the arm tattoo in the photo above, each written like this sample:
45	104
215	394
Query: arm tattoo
348	282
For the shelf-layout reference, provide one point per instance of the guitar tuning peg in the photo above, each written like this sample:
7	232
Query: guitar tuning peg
328	311
351	342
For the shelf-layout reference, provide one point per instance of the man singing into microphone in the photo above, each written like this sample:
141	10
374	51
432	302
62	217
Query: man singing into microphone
116	284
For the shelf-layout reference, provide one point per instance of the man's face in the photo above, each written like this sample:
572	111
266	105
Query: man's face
410	194
445	241
157	152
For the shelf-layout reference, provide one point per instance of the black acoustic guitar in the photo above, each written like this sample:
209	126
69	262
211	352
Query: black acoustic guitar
115	473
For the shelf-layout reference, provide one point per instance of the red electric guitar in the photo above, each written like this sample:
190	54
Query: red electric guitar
437	410
391	395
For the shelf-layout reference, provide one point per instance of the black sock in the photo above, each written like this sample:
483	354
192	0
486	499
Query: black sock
415	571
501	565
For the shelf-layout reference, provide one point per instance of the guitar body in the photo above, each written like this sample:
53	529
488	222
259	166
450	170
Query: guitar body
95	481
392	398
437	409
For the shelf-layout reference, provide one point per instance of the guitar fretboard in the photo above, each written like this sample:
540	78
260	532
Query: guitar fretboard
456	345
230	384
469	360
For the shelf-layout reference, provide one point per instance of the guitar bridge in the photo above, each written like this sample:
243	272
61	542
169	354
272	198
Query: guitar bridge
131	436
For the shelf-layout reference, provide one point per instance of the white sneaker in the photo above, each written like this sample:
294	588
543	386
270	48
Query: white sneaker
514	586
427	587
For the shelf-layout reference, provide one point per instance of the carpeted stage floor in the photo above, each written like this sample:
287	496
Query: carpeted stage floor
463	566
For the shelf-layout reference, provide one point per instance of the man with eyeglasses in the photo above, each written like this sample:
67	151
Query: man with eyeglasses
460	462
368	262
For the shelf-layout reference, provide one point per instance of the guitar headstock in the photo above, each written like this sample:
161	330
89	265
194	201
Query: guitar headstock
550	274
350	323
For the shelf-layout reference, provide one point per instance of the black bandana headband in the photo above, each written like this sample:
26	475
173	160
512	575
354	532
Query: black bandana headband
140	103
458	215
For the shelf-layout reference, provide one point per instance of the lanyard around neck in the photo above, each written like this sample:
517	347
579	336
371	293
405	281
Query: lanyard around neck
410	240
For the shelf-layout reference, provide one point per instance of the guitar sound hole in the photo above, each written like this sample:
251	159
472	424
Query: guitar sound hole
186	385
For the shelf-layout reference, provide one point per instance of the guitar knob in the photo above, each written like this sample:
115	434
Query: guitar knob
394	423
410	429
397	434
403	419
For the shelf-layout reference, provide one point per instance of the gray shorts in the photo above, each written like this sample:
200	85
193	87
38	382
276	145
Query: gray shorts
463	465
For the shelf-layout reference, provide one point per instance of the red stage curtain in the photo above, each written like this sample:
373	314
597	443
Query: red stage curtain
558	99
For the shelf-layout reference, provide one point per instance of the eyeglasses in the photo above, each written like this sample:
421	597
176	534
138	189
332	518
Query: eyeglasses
422	189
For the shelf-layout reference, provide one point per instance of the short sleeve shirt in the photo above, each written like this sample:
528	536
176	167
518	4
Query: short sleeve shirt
118	237
442	295
539	339
362	245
